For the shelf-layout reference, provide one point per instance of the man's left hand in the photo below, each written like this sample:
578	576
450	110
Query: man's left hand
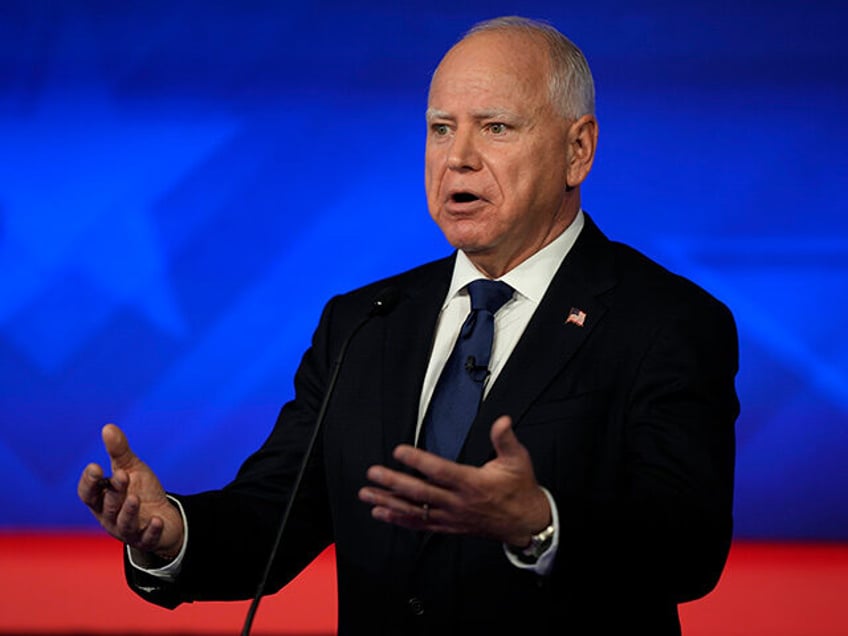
500	500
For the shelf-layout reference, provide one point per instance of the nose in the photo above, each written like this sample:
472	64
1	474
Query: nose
464	155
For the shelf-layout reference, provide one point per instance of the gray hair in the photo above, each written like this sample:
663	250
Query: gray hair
571	87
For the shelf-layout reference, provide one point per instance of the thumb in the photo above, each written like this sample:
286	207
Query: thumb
117	446
504	440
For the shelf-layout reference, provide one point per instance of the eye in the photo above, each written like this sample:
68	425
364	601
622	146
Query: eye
440	130
497	128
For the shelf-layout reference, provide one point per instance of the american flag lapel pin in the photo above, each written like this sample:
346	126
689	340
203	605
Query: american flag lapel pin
576	317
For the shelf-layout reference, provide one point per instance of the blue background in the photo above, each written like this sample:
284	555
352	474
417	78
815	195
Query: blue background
167	168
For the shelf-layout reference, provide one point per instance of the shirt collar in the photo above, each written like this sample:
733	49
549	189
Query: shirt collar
531	277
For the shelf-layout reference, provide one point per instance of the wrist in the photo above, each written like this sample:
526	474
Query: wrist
149	560
536	518
168	554
536	545
174	532
538	532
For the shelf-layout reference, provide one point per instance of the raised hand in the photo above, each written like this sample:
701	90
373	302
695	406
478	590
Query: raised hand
499	500
131	505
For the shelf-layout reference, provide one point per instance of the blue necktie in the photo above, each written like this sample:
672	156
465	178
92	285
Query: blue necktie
459	390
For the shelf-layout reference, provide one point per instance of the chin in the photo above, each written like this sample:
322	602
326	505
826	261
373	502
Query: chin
469	246
465	238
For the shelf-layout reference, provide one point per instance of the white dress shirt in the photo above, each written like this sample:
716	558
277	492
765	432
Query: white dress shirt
530	280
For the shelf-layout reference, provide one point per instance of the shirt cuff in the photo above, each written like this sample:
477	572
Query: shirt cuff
169	571
545	563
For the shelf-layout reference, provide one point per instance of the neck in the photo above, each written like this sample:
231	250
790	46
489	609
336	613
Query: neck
494	264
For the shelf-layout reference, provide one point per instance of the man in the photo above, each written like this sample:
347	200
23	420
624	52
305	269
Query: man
592	491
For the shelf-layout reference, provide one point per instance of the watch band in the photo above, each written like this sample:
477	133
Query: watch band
539	543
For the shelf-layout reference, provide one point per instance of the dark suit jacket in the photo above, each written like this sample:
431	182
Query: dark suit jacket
629	420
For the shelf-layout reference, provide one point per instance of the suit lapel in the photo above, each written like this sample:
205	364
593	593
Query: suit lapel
550	340
409	338
406	353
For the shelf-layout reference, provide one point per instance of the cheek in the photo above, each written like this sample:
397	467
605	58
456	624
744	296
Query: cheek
514	171
540	182
431	173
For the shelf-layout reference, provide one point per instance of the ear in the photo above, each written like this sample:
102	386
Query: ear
582	143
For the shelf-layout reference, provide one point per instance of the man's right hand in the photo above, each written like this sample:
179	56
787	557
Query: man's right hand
131	505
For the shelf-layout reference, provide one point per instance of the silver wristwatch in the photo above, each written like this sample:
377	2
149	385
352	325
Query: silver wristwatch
539	543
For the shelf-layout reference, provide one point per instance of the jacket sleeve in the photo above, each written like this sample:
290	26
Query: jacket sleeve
664	529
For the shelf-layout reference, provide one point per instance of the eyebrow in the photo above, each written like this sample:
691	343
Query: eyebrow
434	113
491	113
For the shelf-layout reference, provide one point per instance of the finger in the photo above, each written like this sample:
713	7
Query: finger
389	508
430	520
127	524
117	446
416	521
437	469
131	528
392	509
151	536
408	487
503	438
388	500
113	498
89	489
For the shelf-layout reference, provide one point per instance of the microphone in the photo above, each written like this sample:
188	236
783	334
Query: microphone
383	304
477	373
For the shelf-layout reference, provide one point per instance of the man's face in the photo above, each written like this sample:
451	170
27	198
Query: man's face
496	159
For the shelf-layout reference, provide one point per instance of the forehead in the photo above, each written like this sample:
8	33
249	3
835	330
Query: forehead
492	70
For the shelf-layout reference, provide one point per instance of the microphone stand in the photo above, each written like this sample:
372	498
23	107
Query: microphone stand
382	305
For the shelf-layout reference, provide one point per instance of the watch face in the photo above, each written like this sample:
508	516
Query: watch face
539	543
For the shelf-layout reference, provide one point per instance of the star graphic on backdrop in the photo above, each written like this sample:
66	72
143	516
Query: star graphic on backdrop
782	292
81	177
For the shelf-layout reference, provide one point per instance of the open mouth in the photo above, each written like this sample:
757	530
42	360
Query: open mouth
464	197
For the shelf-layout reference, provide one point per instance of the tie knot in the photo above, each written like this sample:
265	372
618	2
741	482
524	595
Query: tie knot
490	295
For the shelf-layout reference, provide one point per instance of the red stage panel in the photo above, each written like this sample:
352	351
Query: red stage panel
52	583
776	590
